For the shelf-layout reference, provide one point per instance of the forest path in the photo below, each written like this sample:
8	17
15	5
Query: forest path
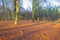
38	31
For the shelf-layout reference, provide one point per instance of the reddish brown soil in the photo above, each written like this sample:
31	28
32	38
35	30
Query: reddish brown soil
28	30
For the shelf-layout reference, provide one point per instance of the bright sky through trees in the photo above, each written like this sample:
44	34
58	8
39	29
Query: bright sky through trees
0	2
27	4
54	2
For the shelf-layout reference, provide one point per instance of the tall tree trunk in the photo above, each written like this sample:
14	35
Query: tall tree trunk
6	12
16	11
33	11
3	10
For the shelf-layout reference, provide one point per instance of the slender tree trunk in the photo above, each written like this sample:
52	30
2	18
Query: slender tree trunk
33	11
7	12
16	11
38	14
3	10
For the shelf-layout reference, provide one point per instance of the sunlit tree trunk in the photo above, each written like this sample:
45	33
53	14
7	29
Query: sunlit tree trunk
33	11
16	11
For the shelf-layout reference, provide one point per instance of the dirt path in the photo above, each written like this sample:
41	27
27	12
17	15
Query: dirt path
45	32
33	32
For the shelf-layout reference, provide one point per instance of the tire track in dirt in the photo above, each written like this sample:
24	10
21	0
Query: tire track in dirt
22	26
44	29
7	31
16	31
